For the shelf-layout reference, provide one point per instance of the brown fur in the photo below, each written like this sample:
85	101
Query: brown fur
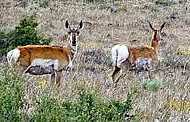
30	52
143	52
64	55
149	52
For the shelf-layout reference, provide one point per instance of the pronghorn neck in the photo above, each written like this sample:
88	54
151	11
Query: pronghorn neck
73	49
155	40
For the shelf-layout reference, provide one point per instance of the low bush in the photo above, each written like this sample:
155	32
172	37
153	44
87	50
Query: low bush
93	1
164	2
152	85
88	107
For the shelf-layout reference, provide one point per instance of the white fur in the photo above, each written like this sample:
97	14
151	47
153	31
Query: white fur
45	63
13	55
120	53
143	63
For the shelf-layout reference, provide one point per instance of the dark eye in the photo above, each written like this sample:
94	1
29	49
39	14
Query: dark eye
69	32
78	32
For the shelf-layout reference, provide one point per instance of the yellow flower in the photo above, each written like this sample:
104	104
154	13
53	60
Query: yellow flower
179	105
42	83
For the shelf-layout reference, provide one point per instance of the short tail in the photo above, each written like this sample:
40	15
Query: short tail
12	56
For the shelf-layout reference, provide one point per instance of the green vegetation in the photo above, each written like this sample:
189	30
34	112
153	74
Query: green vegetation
164	2
25	33
152	85
93	1
88	107
11	95
42	3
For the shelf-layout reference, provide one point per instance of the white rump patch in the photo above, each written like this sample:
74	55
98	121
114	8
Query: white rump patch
13	55
120	53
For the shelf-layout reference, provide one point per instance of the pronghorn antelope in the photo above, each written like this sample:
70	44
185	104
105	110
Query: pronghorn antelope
53	57
138	57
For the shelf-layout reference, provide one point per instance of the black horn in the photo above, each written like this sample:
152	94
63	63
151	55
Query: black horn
162	26
67	24
81	25
151	26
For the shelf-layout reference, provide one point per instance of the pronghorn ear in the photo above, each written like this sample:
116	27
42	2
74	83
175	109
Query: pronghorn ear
66	24
162	26
81	25
151	26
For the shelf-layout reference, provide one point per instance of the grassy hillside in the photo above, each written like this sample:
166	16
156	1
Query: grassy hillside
102	29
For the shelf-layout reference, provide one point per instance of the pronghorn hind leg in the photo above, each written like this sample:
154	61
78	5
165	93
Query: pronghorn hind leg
118	77
116	70
149	75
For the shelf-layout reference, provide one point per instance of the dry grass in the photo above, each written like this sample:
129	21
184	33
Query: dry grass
102	30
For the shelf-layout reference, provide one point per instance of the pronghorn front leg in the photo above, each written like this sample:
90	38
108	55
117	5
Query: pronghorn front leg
70	65
58	78
55	78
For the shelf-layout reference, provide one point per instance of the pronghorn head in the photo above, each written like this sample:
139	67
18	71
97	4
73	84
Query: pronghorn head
73	33
156	33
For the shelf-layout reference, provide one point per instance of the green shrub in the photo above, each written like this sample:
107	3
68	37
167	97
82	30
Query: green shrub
48	109
88	107
93	1
11	95
43	3
164	2
152	85
25	33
